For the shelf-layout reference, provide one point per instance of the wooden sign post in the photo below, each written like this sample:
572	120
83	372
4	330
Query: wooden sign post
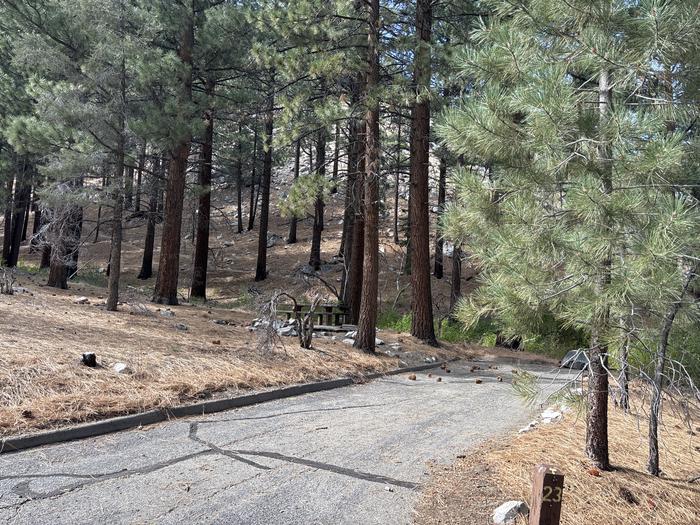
547	491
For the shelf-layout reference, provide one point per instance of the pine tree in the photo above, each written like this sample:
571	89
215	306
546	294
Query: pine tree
569	130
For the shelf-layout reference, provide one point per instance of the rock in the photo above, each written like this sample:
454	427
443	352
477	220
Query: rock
507	513
412	377
378	342
478	381
273	239
19	289
89	359
228	244
349	341
439	379
167	313
531	426
550	415
351	335
81	300
121	368
182	327
216	342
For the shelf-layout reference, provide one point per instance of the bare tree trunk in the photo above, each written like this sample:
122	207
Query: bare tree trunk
397	182
139	177
456	285
261	267
115	253
22	196
129	188
439	241
356	246
336	158
292	238
201	250
319	205
158	173
658	383
253	201
7	235
367	323
239	181
422	326
169	262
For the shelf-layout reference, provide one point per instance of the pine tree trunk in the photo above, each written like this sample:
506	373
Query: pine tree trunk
261	267
239	180
201	250
158	168
422	326
348	215
336	158
129	188
169	262
597	417
75	235
439	240
397	182
356	246
139	178
115	253
21	204
367	323
659	370
253	201
456	285
36	225
319	205
292	237
7	234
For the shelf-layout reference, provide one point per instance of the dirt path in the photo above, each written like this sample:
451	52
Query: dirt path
353	455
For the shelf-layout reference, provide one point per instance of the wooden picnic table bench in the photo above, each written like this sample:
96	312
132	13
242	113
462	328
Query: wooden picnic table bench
332	315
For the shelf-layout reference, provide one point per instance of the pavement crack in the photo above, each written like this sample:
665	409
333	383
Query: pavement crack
374	478
194	428
290	413
23	490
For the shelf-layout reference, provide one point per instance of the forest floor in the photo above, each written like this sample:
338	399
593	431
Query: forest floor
181	354
469	490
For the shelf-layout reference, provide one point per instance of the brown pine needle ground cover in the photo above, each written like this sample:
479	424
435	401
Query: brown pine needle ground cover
43	334
468	491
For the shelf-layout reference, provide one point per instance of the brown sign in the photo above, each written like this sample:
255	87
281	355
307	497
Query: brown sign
547	492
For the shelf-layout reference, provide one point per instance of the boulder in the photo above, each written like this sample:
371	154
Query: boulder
287	331
182	327
81	300
121	368
507	513
167	313
349	341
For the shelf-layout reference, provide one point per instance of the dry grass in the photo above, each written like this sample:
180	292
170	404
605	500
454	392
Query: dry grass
43	335
468	491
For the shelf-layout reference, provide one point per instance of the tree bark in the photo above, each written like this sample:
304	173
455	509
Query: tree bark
336	158
367	323
397	182
439	240
253	176
355	249
119	189
7	234
659	370
139	178
456	285
422	326
597	417
201	250
319	205
169	262
261	267
158	168
239	181
292	237
22	196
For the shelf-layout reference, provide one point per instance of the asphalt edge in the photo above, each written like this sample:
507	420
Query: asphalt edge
150	417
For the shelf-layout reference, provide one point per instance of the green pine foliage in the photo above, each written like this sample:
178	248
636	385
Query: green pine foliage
531	206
